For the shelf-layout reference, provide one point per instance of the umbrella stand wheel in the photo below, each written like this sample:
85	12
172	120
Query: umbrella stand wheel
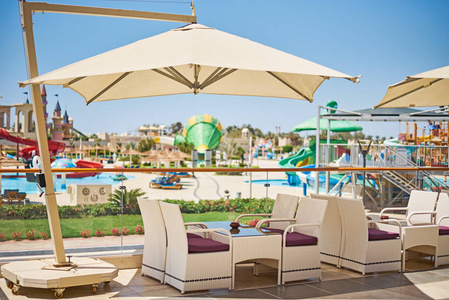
15	290
106	283
59	293
9	284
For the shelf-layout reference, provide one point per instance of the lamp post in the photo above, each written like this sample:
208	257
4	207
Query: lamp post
364	153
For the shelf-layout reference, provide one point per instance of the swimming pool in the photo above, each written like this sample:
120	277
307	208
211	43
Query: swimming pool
30	187
277	182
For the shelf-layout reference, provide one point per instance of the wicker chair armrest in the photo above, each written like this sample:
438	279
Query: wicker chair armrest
250	215
392	209
441	219
431	213
389	221
198	224
259	224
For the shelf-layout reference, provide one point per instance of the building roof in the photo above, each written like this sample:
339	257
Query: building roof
66	118
57	107
388	114
43	91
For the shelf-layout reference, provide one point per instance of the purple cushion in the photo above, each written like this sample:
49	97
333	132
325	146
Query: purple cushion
296	238
376	235
206	245
444	230
193	236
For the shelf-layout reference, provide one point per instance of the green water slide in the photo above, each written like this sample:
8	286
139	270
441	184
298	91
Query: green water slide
80	133
304	157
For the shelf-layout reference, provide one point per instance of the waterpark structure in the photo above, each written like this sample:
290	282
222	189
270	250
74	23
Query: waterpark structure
203	131
378	188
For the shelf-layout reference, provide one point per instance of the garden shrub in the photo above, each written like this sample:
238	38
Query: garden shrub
39	211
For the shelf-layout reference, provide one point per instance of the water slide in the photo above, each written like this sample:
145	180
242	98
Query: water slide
54	147
80	133
305	158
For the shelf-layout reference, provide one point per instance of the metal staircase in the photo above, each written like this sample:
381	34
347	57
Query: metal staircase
415	184
400	181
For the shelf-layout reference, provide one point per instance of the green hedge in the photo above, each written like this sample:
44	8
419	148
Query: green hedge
39	211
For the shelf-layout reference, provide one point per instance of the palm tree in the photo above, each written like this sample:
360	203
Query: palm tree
228	147
129	198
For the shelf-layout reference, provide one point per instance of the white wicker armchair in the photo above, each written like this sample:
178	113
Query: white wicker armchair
419	204
155	243
330	241
300	241
441	251
284	208
367	249
194	263
442	218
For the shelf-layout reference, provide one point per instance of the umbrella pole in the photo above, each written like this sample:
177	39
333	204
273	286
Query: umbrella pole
50	197
317	154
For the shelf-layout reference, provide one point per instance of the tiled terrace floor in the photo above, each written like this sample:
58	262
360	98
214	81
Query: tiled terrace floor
420	281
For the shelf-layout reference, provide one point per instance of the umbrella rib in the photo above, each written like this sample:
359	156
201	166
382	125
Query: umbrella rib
179	75
222	74
205	82
171	77
289	86
409	92
75	80
108	87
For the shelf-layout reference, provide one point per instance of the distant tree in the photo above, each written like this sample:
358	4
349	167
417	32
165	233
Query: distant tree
186	147
176	127
131	145
240	153
145	145
258	132
231	128
94	136
228	147
369	137
287	149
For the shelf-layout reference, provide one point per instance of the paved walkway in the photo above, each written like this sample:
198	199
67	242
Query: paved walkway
419	281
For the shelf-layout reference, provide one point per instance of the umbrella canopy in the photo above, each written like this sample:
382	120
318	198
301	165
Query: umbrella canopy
336	126
191	59
426	89
63	163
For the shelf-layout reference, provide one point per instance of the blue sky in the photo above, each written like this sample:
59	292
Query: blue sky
383	40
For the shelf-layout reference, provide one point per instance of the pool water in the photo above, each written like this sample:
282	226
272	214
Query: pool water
277	182
284	182
30	187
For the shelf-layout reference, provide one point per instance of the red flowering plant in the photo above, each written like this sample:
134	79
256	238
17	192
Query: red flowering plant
44	236
2	235
125	231
30	235
253	222
99	233
115	231
139	229
16	235
85	233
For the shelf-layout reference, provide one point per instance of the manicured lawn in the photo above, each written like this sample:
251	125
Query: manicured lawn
73	227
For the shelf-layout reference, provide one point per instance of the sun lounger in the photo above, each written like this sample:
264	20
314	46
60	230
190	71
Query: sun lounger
11	195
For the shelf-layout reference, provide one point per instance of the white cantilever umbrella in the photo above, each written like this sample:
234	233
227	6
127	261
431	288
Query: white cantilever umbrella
430	88
192	59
